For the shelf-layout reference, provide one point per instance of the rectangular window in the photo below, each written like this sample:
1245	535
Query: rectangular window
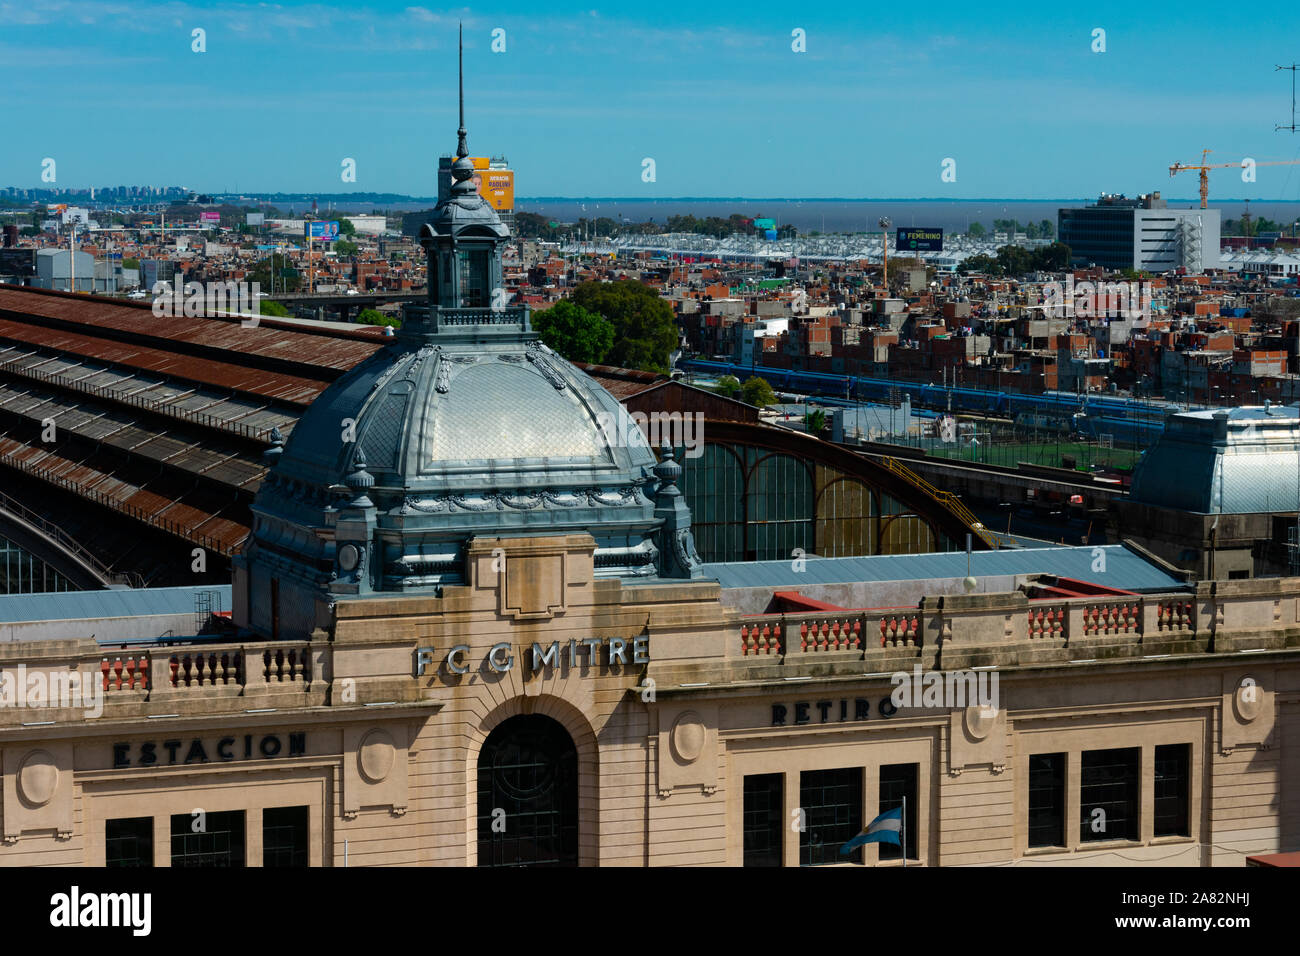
284	836
831	801
1047	800
898	781
473	267
210	839
1173	765
128	842
1108	795
763	820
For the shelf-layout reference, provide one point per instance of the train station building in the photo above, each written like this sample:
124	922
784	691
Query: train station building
471	624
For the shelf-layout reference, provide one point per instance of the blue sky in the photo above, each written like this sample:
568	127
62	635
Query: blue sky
712	92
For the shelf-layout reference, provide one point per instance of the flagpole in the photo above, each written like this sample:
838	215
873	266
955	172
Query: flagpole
903	827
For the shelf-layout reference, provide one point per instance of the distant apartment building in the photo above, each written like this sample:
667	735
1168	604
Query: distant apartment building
1142	233
752	339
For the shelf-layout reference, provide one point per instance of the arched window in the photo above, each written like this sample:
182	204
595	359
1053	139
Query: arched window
528	795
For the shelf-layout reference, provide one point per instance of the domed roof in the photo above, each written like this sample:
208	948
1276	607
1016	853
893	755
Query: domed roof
442	437
466	425
1228	461
440	419
464	214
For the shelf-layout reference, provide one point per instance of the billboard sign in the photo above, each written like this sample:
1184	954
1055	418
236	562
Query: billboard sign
212	217
764	224
920	239
322	231
497	186
255	219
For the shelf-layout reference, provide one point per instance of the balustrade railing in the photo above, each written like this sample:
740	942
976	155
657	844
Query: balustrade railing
1055	622
1176	614
130	672
196	669
820	632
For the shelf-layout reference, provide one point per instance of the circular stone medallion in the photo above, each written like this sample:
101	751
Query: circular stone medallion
979	721
1248	699
38	777
375	755
688	736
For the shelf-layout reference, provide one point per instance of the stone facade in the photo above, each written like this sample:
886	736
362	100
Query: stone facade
377	723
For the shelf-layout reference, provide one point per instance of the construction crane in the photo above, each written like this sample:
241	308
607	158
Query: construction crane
1206	167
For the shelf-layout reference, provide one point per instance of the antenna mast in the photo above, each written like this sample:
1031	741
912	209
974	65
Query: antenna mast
1292	127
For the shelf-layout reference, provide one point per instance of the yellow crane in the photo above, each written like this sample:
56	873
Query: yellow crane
1205	167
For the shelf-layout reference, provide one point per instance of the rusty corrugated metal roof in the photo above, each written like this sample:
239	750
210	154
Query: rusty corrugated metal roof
329	349
622	382
287	388
205	526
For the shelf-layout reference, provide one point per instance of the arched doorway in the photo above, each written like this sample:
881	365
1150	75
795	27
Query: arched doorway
528	768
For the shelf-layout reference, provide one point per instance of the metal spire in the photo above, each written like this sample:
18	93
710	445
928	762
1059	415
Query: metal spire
461	149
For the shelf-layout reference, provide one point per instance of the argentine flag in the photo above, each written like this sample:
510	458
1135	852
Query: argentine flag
884	829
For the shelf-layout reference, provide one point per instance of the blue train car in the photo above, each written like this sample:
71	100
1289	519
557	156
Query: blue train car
1128	421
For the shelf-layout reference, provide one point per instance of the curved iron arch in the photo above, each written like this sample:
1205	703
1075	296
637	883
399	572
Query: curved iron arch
934	513
57	551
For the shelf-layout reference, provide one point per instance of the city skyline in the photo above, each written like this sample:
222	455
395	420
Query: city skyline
281	96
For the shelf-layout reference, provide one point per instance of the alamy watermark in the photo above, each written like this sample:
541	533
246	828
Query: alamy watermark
675	429
1108	300
208	299
946	689
60	688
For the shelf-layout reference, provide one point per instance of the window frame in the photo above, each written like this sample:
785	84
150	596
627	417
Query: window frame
1060	784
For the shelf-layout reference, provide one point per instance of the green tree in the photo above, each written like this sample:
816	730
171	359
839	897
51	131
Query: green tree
728	385
130	263
815	421
346	228
1046	229
286	276
1053	258
375	317
645	330
756	391
981	263
574	332
976	231
345	248
272	308
529	225
1015	260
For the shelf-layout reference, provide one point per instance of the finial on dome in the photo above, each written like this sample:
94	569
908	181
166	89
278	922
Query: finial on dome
272	454
667	471
461	149
462	171
360	481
